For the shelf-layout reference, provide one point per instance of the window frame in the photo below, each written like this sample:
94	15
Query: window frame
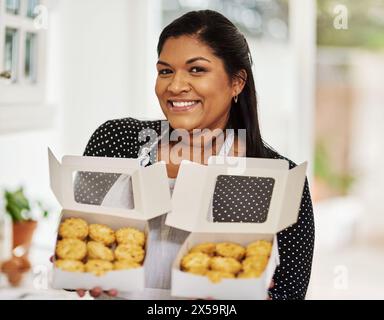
23	98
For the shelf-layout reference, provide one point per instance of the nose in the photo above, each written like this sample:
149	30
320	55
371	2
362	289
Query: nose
179	84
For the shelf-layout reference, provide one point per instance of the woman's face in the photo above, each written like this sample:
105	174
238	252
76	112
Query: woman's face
192	85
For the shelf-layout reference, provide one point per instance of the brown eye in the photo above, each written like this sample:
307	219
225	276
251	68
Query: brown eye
164	72
197	69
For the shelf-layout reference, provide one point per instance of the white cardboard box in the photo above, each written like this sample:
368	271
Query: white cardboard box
191	206
151	198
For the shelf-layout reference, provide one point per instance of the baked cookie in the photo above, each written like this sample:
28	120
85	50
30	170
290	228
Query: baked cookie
250	274
225	264
102	233
98	267
71	249
217	276
259	248
129	252
130	235
126	264
73	228
198	271
208	247
70	265
230	250
255	263
97	250
195	260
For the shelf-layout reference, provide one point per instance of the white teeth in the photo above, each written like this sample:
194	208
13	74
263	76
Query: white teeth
183	104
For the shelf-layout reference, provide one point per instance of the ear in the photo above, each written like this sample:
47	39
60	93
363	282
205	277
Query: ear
238	82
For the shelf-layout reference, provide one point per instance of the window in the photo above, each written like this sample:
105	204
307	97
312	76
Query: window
22	62
30	63
32	4
11	52
13	6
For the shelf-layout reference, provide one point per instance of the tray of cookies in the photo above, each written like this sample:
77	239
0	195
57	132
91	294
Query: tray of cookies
234	210
101	237
90	253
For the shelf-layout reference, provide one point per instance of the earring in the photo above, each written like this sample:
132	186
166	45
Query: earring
236	99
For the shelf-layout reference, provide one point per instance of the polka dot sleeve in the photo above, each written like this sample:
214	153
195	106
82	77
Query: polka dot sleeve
296	245
91	187
117	138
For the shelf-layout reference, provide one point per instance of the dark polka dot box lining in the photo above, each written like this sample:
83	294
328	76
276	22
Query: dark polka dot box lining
218	204
242	199
92	188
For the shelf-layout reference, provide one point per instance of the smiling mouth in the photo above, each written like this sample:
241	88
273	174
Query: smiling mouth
179	106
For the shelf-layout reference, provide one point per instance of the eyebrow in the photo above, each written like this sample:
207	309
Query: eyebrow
187	62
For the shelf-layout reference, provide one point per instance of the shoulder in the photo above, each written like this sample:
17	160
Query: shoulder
121	137
125	126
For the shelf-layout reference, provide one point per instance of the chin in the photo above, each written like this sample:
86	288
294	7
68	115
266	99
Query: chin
182	124
186	122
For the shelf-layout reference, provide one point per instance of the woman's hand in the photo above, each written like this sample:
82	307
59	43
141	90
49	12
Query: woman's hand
95	292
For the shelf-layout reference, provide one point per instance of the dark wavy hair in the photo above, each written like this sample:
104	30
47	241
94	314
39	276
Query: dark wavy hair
230	45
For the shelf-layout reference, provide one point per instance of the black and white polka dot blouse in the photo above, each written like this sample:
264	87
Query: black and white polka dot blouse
120	138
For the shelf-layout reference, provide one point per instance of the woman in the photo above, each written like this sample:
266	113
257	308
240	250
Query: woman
204	81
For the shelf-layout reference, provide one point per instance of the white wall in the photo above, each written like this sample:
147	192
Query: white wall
99	68
367	146
104	65
285	83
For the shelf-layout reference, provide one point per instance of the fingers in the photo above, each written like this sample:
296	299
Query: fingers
272	284
112	293
80	292
96	292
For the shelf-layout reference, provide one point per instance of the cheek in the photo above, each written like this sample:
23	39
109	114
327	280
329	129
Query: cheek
160	87
218	100
215	89
157	89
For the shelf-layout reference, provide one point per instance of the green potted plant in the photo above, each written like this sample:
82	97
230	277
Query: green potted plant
18	206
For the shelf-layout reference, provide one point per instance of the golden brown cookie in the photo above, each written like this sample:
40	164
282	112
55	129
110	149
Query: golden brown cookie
230	250
259	248
126	264
217	276
70	265
129	252
208	247
250	274
98	267
71	249
97	250
195	260
225	264
73	228
198	271
102	233
255	263
130	235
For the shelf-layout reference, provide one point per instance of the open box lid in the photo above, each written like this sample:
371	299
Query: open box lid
148	185
195	186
